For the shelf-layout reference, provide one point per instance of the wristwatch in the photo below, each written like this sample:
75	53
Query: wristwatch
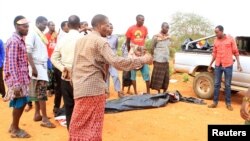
246	99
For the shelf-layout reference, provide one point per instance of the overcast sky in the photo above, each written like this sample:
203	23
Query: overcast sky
232	14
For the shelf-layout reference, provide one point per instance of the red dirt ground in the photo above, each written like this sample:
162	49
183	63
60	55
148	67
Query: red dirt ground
176	122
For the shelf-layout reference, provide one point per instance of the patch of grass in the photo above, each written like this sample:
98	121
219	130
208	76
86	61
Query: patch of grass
185	78
172	52
121	40
171	71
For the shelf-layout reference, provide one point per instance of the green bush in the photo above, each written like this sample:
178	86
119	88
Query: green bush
121	40
148	45
171	71
185	78
172	52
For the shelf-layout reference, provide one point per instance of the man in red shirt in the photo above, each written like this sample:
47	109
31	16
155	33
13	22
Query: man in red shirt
224	49
52	38
54	73
136	36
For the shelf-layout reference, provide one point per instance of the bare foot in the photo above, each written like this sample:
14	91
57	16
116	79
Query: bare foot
120	94
49	94
128	92
28	109
5	99
37	118
10	129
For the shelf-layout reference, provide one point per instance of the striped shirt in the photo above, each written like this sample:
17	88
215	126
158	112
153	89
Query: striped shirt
16	62
92	54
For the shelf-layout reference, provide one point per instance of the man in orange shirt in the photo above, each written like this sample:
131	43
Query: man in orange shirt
136	36
52	38
224	49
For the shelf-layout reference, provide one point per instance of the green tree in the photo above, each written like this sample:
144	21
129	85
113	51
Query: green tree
121	40
188	25
148	44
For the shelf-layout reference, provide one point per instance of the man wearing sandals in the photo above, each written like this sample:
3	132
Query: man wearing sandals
36	43
17	75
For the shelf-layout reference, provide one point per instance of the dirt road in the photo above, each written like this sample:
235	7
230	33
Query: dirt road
176	122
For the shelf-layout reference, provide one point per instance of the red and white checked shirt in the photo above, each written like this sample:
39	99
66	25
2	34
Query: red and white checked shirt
16	62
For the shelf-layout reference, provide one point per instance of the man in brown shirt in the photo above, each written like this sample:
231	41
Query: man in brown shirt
92	54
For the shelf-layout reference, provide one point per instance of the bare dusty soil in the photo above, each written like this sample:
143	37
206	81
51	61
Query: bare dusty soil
176	122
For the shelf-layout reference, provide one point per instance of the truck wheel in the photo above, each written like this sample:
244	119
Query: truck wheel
203	85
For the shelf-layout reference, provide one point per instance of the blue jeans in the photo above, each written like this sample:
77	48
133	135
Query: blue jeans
115	76
228	73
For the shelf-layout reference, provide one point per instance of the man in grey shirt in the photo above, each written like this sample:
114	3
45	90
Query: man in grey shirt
160	51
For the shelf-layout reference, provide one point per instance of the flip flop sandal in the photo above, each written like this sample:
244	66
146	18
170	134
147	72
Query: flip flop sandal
47	124
20	134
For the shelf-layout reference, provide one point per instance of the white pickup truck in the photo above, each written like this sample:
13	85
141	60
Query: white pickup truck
194	60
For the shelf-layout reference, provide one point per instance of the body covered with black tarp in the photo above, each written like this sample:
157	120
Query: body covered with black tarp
146	101
137	102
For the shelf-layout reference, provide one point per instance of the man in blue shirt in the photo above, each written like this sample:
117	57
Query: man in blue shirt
113	42
2	88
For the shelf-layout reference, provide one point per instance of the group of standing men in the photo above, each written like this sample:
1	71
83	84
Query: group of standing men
78	61
81	64
136	36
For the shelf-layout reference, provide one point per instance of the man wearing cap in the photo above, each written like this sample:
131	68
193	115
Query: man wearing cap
17	75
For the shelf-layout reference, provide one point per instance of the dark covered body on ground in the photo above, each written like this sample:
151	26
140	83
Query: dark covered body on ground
147	101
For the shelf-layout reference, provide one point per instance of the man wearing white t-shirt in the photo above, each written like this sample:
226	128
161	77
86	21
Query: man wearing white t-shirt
36	43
